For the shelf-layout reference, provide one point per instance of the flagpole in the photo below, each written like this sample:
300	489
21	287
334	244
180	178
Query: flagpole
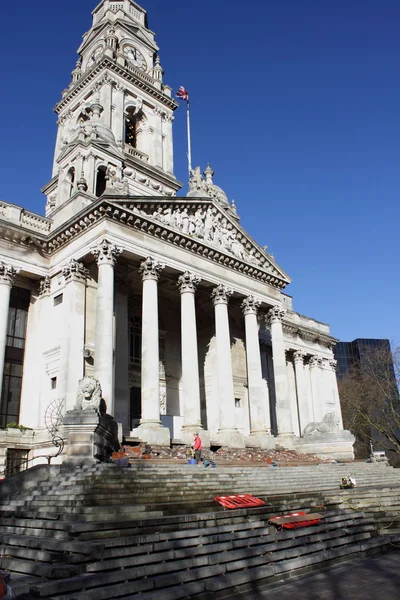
189	143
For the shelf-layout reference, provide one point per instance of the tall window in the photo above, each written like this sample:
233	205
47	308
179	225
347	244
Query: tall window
135	340
130	130
14	356
100	181
71	181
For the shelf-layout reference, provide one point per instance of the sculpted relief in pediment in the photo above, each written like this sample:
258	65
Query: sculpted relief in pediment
204	221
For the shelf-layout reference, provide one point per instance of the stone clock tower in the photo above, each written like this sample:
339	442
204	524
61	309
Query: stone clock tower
115	117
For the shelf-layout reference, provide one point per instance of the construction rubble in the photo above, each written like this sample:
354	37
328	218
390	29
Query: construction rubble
221	455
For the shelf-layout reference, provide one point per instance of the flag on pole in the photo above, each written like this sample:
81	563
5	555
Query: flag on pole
182	94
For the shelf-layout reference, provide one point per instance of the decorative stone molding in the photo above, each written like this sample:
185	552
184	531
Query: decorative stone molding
333	364
106	253
151	269
298	356
221	294
141	216
276	314
44	286
250	305
75	271
8	274
188	282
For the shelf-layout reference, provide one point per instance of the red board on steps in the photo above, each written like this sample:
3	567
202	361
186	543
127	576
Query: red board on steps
239	501
296	519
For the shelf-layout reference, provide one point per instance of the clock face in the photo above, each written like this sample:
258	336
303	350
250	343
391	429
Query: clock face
135	57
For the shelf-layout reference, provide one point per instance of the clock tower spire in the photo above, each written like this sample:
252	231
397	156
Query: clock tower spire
115	117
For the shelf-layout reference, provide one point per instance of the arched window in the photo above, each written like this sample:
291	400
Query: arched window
100	181
130	128
71	181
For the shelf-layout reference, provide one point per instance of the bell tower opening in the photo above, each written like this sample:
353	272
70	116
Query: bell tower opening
71	181
101	181
131	122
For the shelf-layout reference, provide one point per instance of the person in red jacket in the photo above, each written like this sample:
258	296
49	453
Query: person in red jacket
197	448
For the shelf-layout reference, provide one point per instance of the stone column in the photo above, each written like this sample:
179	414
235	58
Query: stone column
7	278
71	351
187	284
315	376
335	391
150	429
106	255
283	409
302	400
228	435
257	387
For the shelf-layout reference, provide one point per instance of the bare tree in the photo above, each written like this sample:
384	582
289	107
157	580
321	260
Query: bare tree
370	400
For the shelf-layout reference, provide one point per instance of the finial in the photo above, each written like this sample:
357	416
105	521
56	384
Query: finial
208	174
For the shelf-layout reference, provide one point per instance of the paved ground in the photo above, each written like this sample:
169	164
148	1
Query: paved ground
376	578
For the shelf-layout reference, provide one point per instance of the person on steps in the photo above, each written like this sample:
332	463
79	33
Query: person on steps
197	448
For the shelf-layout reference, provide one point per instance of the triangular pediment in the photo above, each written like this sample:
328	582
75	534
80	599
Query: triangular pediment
194	222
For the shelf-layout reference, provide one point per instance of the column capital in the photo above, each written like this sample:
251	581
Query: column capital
298	356
333	364
150	268
106	253
221	294
8	274
276	314
315	361
250	305
75	271
188	282
44	286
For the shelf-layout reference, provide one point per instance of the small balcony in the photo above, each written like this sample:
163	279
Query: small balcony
136	153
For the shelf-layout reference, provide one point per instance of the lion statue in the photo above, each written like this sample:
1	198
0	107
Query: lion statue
89	395
329	424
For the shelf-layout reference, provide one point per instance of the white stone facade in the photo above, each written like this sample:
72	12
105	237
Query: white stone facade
166	300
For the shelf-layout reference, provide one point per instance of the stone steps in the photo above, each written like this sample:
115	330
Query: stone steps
173	565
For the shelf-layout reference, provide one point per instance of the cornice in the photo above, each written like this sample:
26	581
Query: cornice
134	76
121	210
307	334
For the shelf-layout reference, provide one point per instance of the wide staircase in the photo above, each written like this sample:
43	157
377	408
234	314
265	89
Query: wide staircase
154	531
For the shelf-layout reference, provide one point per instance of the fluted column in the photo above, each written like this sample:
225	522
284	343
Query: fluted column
71	352
260	424
187	284
150	429
315	376
106	255
228	433
302	401
283	409
7	278
335	391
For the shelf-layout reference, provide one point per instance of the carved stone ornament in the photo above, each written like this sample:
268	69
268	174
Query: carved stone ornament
250	305
150	268
276	314
333	364
75	271
8	274
44	286
316	361
106	253
298	356
329	424
89	394
221	294
188	282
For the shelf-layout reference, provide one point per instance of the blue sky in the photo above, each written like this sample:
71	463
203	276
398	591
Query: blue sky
295	103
